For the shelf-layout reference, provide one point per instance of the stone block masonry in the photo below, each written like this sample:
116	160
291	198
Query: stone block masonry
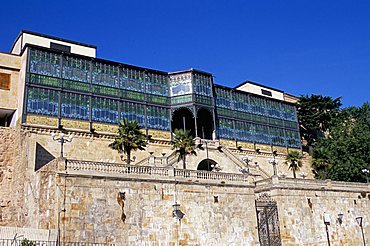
93	214
219	207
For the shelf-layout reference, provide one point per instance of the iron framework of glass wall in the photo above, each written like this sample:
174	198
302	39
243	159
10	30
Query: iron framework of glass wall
81	88
251	118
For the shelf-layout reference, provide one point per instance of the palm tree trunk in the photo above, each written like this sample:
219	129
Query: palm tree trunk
184	162
128	157
294	175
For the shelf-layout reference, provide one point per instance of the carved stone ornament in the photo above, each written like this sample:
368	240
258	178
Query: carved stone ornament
265	198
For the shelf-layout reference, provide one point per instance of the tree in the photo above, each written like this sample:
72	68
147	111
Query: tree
26	242
184	145
294	161
346	150
130	137
314	115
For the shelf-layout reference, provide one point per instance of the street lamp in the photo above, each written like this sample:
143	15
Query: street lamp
359	222
327	222
340	218
177	212
303	175
246	160
366	172
61	139
274	162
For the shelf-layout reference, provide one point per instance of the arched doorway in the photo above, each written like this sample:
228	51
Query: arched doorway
183	118
204	123
206	165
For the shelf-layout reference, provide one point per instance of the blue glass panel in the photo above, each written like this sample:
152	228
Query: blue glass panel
156	84
277	136
202	85
76	69
293	139
42	101
75	106
105	110
158	118
225	129
180	84
105	74
45	63
243	131
133	111
131	79
262	134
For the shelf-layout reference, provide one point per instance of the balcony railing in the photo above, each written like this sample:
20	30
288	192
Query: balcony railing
148	172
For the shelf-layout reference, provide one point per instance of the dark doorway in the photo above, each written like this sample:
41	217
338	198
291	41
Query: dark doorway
183	119
206	165
204	123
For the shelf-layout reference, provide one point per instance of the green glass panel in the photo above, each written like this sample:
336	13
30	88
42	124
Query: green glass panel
76	86
105	90
157	99
44	80
133	95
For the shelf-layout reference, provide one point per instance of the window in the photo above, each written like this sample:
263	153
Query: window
266	93
4	81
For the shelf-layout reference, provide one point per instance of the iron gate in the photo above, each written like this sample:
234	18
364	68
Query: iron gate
268	221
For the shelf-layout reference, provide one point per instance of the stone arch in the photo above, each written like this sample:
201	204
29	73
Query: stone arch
183	118
206	165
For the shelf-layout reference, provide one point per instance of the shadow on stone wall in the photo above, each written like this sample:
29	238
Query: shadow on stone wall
42	157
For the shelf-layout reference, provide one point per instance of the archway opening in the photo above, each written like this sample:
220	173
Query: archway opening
204	123
183	118
206	165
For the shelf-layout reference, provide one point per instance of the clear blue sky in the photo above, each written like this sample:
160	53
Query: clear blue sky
299	46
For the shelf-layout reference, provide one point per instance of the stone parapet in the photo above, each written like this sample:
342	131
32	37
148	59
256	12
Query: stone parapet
147	173
309	184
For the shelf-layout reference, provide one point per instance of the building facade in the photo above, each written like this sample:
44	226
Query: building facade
63	85
90	196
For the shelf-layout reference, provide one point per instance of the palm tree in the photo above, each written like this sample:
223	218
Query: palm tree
130	137
184	144
294	160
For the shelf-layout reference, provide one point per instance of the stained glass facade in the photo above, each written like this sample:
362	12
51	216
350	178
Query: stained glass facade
257	119
93	90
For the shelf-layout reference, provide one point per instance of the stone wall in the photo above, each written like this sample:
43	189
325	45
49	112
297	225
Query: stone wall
83	204
12	176
94	215
86	146
302	203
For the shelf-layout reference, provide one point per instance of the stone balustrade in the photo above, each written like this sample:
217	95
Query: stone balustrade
115	168
310	184
88	168
210	175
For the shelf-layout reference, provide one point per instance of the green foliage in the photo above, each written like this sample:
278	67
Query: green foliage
130	137
314	115
346	150
184	145
26	242
294	161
